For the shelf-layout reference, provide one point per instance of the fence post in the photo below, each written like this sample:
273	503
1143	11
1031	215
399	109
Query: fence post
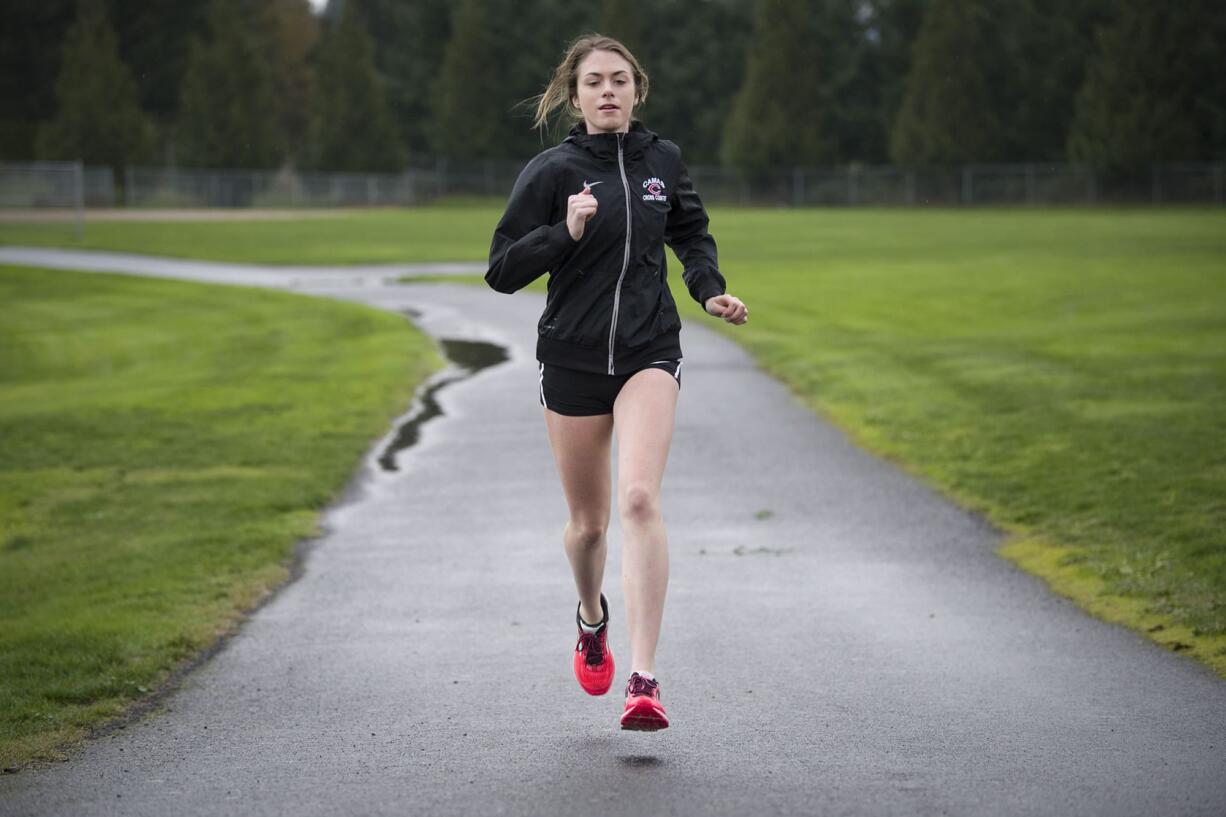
968	186
78	195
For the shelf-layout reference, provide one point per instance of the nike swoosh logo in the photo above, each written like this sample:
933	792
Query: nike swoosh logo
591	184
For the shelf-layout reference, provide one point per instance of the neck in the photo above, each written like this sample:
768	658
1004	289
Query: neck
592	129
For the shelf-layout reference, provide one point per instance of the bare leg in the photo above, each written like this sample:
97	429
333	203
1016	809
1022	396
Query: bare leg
643	418
581	447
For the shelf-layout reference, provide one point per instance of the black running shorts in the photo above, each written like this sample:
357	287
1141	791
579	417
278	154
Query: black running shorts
584	394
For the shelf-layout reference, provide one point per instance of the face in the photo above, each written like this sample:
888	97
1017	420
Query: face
606	93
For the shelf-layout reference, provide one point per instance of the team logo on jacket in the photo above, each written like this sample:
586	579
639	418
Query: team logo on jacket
655	190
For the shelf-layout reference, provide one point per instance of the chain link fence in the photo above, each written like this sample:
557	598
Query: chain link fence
70	185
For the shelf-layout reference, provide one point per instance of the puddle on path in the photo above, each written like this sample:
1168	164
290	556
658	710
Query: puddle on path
470	357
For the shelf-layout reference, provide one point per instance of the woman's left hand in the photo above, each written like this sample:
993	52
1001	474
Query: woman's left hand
728	307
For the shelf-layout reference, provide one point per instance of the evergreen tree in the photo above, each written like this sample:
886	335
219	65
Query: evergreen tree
467	119
1048	42
623	21
959	80
892	26
99	120
153	41
28	70
851	82
1154	91
289	33
353	128
227	116
532	39
778	117
695	56
409	37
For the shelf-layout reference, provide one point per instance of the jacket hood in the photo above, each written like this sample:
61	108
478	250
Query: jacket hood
604	145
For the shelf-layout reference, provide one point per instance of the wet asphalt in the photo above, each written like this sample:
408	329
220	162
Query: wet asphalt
838	638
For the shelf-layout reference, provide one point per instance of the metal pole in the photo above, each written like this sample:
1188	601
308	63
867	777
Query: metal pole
78	184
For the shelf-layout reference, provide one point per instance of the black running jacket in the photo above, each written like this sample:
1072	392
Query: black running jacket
609	308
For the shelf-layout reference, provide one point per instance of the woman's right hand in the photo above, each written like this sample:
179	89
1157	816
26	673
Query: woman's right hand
579	208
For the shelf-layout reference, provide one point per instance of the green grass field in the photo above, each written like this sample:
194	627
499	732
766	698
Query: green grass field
1061	371
367	237
163	446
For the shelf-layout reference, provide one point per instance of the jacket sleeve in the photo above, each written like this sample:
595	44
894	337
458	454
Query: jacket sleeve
686	232
525	244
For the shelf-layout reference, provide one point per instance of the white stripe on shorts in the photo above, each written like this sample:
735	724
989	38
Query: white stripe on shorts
676	374
543	403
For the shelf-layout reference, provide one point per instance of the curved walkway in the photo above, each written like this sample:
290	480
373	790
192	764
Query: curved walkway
838	639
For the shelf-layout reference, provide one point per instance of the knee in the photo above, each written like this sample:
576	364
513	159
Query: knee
639	505
586	534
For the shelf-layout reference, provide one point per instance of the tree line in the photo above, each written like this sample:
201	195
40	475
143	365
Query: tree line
370	85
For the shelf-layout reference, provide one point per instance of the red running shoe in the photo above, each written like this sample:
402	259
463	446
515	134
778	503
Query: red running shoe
593	659
644	712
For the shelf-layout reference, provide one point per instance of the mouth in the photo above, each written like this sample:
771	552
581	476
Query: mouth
608	108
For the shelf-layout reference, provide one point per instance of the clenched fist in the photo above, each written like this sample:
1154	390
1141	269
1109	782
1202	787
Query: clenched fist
579	208
728	307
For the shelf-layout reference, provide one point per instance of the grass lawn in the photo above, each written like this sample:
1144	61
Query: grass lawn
1064	372
163	446
372	236
1061	371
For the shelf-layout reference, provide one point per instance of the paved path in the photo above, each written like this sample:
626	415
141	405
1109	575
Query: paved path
860	650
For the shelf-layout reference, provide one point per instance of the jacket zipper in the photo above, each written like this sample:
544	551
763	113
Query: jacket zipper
617	293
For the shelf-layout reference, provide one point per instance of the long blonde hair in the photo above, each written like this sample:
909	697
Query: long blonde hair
564	85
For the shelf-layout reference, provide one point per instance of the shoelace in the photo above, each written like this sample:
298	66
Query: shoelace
589	644
639	685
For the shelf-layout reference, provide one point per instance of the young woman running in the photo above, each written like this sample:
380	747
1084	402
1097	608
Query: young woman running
595	213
